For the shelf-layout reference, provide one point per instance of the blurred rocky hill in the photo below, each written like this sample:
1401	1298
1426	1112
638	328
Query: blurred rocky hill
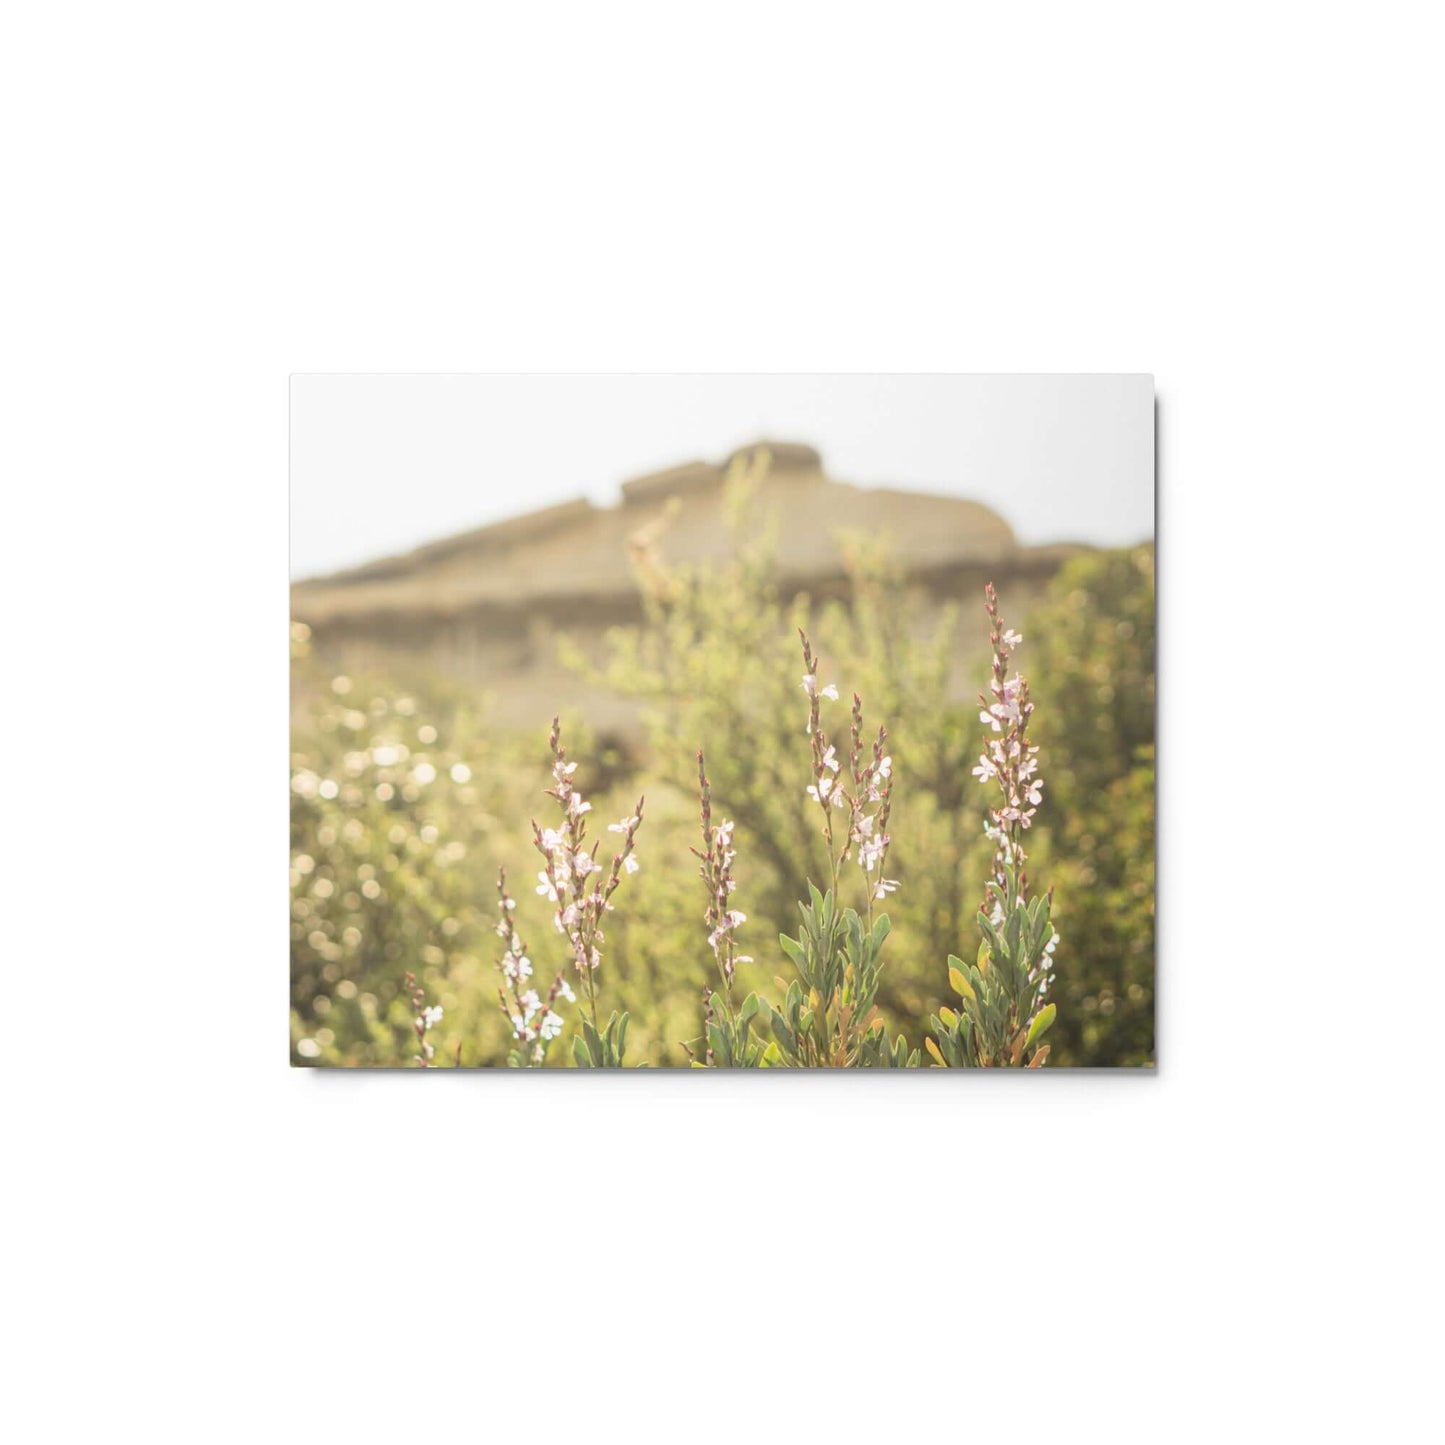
487	606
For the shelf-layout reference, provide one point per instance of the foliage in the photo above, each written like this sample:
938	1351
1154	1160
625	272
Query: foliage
1002	1013
428	803
1093	645
715	663
828	1019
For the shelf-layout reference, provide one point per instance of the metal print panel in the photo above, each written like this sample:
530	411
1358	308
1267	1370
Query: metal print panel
722	722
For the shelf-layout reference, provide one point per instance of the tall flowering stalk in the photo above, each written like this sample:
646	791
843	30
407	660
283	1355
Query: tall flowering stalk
534	1021
1003	1014
829	1018
1009	759
424	1018
867	802
581	887
726	1038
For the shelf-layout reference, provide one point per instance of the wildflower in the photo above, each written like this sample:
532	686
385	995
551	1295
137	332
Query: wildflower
564	989
729	921
432	1016
827	790
629	865
530	1003
623	826
885	887
545	887
810	686
551	1026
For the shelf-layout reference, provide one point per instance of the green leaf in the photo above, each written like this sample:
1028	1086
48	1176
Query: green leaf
718	1041
594	1043
783	1034
1040	1025
580	1056
961	985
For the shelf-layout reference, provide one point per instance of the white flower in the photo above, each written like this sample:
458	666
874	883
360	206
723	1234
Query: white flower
1011	638
810	686
432	1016
623	826
826	790
730	921
577	807
565	989
985	769
530	1004
885	767
551	1026
830	758
630	863
545	888
885	887
553	840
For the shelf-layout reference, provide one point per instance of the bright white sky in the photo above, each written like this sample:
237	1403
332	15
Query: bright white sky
380	464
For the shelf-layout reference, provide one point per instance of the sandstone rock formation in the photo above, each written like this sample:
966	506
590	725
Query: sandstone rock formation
486	606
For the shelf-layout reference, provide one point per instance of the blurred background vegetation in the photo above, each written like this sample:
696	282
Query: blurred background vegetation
406	800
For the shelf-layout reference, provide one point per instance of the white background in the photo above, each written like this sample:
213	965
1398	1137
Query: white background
201	201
